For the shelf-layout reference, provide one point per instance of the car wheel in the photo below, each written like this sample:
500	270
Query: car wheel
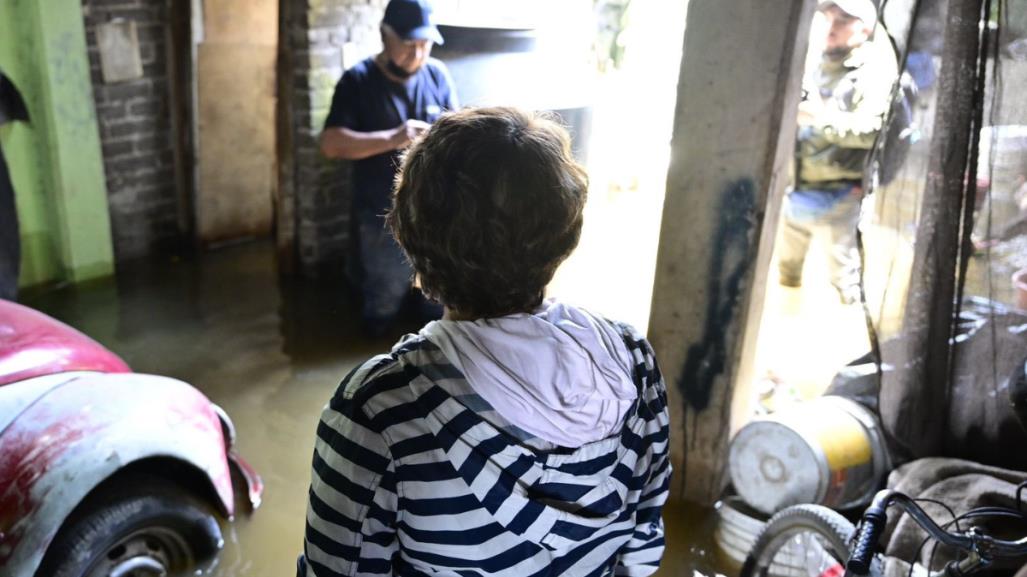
140	527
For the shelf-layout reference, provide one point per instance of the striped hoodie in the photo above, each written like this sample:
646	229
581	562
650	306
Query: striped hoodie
415	474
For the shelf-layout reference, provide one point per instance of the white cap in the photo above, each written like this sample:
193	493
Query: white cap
865	10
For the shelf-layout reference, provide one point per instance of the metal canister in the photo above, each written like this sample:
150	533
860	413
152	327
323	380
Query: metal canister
829	450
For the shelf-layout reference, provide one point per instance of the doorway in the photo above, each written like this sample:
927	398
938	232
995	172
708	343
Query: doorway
224	98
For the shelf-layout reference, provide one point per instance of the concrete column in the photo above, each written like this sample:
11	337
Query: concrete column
57	164
734	132
235	71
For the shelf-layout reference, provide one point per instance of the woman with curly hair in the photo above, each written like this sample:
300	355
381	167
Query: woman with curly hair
517	435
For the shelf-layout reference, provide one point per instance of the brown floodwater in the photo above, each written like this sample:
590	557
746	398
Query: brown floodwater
271	352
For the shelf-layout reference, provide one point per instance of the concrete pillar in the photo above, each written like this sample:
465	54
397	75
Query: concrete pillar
734	132
137	122
235	71
56	164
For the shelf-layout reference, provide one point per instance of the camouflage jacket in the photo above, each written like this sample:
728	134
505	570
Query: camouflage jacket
856	90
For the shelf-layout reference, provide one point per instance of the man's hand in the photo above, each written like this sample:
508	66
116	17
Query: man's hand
347	144
405	133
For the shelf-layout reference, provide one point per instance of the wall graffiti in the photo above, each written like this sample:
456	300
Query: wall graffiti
733	248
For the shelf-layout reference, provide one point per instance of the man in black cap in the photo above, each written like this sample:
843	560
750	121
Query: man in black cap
847	97
379	106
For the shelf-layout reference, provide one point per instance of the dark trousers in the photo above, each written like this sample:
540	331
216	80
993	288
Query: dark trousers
385	276
10	244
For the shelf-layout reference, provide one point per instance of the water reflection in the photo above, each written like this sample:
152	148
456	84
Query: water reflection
270	353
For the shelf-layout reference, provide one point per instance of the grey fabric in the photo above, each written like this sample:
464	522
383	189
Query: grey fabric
962	485
979	420
982	424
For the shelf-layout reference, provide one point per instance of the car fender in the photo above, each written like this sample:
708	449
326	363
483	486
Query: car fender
16	397
82	432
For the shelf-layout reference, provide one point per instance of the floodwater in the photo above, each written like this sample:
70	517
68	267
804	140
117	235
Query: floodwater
271	352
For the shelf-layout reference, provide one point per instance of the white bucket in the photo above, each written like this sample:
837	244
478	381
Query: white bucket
828	451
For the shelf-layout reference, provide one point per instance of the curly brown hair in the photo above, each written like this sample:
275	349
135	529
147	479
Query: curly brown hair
486	206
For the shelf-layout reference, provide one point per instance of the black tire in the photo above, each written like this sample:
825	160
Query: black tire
833	533
139	526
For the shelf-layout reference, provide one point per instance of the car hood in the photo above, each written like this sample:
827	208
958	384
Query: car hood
33	344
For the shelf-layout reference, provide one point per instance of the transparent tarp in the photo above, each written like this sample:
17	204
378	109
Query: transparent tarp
927	226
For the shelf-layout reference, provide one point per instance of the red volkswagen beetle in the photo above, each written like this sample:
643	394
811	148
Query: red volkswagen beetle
105	472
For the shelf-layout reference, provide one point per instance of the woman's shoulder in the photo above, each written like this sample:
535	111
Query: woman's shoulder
362	378
371	387
380	381
637	345
647	370
626	330
635	341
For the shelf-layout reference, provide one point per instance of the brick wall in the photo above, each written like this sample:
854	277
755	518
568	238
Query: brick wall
135	128
135	131
314	36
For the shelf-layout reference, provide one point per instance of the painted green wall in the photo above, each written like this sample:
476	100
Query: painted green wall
56	163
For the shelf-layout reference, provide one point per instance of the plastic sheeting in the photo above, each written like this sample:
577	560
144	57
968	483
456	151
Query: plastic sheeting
991	262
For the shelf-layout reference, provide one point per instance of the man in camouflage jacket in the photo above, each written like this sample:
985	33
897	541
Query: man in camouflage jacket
845	100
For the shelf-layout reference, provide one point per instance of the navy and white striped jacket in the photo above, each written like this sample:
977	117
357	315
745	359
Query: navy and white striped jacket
411	478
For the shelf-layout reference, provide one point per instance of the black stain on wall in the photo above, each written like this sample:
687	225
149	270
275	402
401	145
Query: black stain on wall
732	250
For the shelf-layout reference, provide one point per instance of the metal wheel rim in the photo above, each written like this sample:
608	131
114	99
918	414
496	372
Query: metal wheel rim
149	552
797	544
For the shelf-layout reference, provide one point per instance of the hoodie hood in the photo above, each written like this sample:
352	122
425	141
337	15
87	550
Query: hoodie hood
561	374
585	384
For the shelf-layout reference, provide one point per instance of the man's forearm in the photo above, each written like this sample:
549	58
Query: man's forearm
347	144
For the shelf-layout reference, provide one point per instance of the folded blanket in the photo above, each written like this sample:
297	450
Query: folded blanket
962	485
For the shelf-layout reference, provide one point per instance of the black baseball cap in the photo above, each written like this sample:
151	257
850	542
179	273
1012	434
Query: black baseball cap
411	19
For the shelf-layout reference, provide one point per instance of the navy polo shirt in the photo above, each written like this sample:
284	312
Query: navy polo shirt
365	100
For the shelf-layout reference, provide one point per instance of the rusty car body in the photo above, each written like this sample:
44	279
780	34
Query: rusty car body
78	428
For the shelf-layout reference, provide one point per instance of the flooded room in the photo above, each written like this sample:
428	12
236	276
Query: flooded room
473	288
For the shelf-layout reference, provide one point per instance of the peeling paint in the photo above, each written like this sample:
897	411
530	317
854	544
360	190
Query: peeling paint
26	456
84	431
73	415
